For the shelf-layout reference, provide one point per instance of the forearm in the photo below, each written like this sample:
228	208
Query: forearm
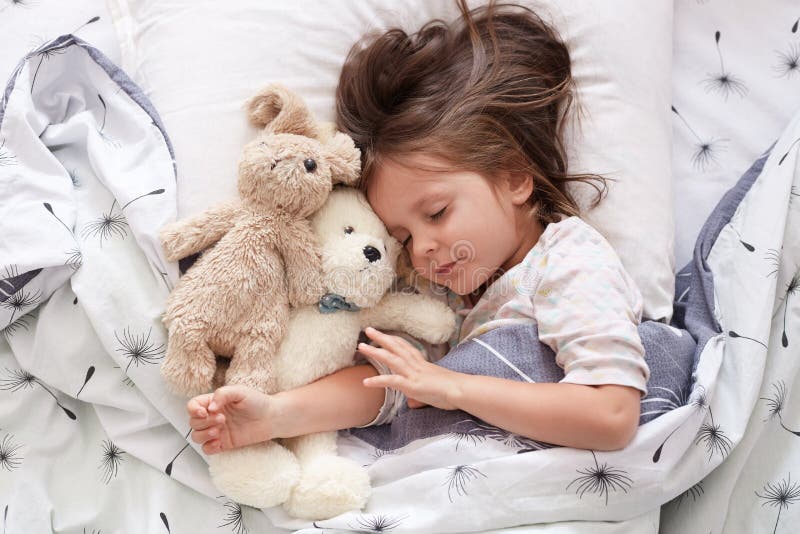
573	415
333	402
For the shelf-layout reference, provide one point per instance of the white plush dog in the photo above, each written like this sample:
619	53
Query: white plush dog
359	258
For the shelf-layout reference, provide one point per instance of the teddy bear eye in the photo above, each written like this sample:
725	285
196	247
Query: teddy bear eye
348	229
310	165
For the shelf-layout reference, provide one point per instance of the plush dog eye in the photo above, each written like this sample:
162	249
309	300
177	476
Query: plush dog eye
348	229
310	165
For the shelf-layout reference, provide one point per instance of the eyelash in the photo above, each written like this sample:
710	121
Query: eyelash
434	217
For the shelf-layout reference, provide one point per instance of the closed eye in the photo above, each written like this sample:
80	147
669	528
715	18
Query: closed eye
438	214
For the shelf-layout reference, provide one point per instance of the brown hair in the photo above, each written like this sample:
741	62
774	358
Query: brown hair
488	92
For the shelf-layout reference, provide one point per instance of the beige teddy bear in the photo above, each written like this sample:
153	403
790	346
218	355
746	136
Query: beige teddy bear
358	263
263	255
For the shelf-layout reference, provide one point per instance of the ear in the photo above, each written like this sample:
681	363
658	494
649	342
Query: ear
344	159
519	187
278	110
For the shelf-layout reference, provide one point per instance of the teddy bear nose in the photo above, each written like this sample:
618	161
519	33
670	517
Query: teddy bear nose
372	254
310	165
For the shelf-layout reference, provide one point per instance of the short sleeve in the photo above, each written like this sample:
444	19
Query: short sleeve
588	309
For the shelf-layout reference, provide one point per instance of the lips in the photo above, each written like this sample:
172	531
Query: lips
445	269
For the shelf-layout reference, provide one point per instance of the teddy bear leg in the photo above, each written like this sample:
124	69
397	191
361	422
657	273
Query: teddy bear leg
253	363
189	364
329	485
260	475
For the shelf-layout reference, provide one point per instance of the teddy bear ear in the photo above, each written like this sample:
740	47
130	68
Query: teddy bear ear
278	110
344	159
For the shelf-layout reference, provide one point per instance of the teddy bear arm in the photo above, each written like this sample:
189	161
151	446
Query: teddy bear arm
186	237
303	264
418	315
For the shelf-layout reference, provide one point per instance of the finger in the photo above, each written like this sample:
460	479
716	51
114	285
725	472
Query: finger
202	436
391	360
392	343
414	403
212	447
385	381
202	423
225	396
197	405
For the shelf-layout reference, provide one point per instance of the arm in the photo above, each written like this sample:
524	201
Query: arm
418	315
184	238
575	415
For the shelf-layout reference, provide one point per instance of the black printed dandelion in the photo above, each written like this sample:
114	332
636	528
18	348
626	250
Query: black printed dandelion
110	460
788	62
600	479
780	162
234	518
724	82
694	492
791	288
781	495
377	454
19	379
794	26
168	469
379	522
108	225
698	400
776	403
73	177
667	403
736	335
103	135
714	439
89	375
748	246
706	150
457	479
74	259
10	458
45	52
6	157
773	256
163	517
138	348
21	300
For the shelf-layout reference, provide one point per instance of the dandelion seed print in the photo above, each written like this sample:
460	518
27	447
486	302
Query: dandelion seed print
780	495
694	492
788	62
466	439
735	335
138	348
791	288
723	82
45	52
234	518
21	300
457	479
706	150
377	454
775	405
378	522
600	479
20	324
773	256
110	460
19	379
780	162
794	26
10	458
748	246
74	259
154	192
73	176
89	374
168	469
105	137
714	439
667	403
6	157
163	517
106	226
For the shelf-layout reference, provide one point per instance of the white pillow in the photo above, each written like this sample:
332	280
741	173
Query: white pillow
198	61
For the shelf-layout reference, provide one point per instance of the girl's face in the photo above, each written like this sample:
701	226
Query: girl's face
457	226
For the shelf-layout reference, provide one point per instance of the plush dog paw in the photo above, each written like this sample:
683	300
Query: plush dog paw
170	237
329	486
261	475
439	321
187	378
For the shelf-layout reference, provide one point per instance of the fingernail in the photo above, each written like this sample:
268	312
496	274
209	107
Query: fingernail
212	432
212	406
202	413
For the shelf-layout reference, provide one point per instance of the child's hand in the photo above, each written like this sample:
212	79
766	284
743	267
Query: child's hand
231	417
421	381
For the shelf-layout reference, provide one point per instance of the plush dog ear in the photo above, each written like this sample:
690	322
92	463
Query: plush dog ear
344	159
278	110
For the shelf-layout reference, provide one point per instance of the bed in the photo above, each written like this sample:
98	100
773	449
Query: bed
90	441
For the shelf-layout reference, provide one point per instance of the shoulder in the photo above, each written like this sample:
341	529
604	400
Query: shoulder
573	236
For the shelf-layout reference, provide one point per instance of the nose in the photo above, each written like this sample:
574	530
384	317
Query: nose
372	254
423	245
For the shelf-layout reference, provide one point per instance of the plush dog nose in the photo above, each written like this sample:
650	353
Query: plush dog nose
372	254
